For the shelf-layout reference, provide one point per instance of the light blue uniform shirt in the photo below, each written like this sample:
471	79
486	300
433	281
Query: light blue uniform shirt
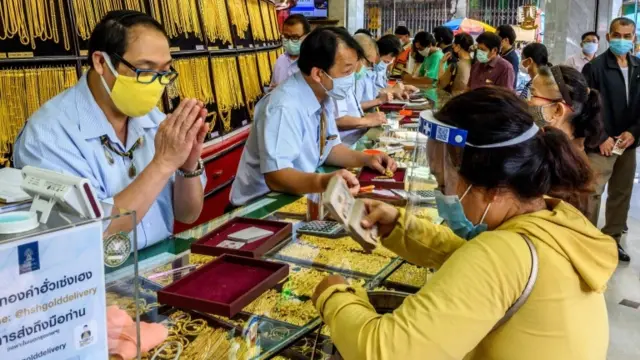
64	135
285	134
349	107
382	80
366	89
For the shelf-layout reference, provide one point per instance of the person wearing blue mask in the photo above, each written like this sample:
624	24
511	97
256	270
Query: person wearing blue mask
294	30
389	47
294	129
616	75
350	117
589	45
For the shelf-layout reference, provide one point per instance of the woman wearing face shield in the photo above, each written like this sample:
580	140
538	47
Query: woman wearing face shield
504	233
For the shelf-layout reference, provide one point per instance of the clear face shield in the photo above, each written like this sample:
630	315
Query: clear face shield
433	170
436	189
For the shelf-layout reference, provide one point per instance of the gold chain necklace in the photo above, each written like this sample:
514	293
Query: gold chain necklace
250	80
264	67
266	20
257	28
215	19
227	87
193	81
239	17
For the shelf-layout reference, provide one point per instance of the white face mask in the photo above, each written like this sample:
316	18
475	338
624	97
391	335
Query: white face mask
424	52
342	86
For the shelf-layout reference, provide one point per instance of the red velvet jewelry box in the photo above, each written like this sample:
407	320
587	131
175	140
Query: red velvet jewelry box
367	176
207	245
224	286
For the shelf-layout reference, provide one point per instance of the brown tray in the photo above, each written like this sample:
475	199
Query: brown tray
207	245
224	286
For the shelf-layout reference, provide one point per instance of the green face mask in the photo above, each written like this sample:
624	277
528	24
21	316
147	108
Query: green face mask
361	73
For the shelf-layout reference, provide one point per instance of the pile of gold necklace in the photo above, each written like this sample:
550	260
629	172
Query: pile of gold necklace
273	57
264	66
23	91
34	19
250	80
193	81
239	17
411	275
227	87
374	18
179	17
266	20
256	21
89	13
216	22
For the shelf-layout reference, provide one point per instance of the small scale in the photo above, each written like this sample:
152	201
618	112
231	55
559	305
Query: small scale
320	228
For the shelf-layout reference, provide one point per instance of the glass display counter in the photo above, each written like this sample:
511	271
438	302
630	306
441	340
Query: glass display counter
288	326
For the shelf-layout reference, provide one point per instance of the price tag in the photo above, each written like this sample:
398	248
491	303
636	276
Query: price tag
240	47
84	52
215	134
230	46
251	46
16	55
3	55
213	48
199	47
245	122
174	49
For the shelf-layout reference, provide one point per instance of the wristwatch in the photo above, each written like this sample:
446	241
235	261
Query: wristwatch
190	174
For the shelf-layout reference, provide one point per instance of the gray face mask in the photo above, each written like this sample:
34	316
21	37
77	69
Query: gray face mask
537	111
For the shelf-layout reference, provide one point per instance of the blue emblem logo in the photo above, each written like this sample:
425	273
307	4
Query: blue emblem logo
28	257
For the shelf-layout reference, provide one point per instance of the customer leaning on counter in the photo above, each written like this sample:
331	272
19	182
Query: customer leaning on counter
501	182
108	129
294	129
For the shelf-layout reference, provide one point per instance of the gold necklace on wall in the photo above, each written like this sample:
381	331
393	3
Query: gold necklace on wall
227	87
216	21
239	17
257	28
250	80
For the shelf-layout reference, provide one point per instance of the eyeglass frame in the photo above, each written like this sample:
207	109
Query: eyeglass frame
156	74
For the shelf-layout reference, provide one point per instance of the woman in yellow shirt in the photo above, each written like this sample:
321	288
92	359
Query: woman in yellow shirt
483	269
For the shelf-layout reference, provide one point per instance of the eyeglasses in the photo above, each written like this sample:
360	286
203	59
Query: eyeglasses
291	37
145	76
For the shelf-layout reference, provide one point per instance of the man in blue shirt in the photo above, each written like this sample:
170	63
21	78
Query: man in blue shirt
294	129
108	130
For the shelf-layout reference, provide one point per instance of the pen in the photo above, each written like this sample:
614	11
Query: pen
165	273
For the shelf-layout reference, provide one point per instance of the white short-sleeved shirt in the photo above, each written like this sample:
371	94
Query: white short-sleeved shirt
349	107
284	68
285	134
64	135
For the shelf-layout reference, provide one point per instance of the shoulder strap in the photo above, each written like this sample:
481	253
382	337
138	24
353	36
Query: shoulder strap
527	289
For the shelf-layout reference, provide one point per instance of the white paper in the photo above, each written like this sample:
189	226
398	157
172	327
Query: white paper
10	190
250	234
228	244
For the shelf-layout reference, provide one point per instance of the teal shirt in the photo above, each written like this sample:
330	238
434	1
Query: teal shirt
431	65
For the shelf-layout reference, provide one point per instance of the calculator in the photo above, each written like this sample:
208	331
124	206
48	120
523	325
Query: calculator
327	229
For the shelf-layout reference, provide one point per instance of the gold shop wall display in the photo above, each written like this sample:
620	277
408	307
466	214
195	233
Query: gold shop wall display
250	80
193	81
33	21
273	57
239	16
255	18
227	87
22	92
216	20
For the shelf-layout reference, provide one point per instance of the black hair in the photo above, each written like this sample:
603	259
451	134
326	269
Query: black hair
590	33
622	21
548	163
389	45
402	30
464	40
443	35
425	39
111	34
363	31
586	104
536	52
490	40
507	32
416	54
298	19
319	48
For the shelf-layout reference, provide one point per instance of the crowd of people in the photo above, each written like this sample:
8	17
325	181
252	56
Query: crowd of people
527	186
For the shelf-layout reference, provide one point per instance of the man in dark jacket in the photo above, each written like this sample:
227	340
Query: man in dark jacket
616	74
508	50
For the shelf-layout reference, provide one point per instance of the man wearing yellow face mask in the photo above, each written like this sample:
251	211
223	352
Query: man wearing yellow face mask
108	130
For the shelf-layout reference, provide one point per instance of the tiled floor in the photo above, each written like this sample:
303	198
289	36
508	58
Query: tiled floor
624	321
